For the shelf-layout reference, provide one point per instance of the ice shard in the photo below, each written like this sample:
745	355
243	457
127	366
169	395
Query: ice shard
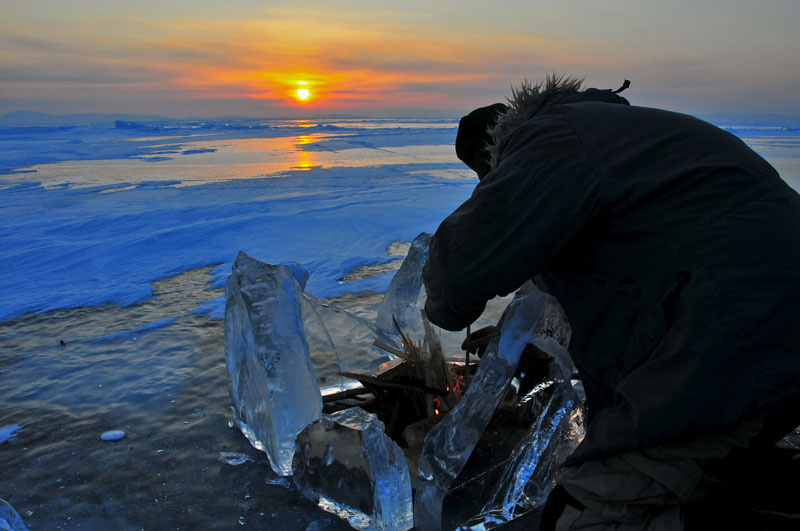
551	428
9	518
406	295
487	460
349	466
529	320
274	391
339	342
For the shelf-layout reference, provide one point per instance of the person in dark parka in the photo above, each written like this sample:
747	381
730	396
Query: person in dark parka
675	252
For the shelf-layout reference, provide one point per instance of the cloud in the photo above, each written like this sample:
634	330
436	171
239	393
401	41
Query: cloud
370	54
345	62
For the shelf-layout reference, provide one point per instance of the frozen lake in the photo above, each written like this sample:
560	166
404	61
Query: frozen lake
114	245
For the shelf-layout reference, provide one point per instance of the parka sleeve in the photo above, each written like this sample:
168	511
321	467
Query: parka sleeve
543	194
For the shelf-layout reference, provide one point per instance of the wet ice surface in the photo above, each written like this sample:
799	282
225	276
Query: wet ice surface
166	388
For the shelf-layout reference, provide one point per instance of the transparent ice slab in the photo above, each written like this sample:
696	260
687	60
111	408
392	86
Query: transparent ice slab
406	294
525	479
274	391
348	465
339	342
405	297
9	518
526	476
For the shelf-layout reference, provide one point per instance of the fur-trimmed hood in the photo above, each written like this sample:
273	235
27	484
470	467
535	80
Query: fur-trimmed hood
530	98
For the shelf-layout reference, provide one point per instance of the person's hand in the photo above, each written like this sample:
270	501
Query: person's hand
478	340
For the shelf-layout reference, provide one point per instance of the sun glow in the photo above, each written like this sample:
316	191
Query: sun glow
302	93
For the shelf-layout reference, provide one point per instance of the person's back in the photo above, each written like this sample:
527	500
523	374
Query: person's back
673	249
691	256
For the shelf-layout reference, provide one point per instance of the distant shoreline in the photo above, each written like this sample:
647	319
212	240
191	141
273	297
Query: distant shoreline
29	118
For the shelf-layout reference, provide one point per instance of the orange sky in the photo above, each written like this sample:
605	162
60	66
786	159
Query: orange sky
246	57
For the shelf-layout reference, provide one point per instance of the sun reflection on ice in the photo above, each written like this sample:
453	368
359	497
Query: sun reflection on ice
304	157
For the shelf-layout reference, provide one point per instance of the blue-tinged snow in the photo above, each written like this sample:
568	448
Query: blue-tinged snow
99	229
93	214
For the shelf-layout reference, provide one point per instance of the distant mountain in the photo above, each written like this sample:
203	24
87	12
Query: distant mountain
38	118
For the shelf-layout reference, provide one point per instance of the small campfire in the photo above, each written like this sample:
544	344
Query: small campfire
411	393
426	439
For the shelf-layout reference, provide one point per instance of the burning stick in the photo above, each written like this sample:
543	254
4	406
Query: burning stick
432	374
439	372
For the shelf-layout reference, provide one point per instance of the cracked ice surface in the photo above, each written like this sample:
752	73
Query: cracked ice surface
273	387
349	466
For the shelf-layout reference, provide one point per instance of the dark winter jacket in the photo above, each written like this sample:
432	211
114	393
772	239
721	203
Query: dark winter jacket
673	248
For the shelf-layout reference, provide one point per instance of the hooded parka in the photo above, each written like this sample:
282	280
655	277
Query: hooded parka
672	246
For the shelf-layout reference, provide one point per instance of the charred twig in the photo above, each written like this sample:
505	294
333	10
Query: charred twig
391	350
393	417
439	374
371	381
333	407
407	343
341	395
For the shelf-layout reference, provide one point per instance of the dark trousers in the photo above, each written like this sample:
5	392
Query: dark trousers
726	481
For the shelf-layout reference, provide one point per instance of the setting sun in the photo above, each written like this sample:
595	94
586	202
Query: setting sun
302	94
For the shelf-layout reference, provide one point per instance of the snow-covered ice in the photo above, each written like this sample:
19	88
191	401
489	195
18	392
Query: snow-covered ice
95	212
107	220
